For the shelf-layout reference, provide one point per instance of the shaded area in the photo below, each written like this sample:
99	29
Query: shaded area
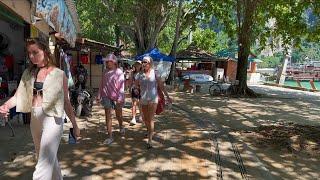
276	106
181	151
183	148
289	138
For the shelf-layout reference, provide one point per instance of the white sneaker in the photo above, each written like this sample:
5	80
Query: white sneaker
133	121
108	141
122	131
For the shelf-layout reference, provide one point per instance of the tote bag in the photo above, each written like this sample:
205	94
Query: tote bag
161	102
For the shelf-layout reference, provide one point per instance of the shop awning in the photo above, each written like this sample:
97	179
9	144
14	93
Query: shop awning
156	56
10	16
61	16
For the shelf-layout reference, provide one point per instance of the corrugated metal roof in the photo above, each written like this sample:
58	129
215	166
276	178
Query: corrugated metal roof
73	11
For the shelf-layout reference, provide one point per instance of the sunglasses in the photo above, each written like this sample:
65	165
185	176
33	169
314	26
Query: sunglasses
145	62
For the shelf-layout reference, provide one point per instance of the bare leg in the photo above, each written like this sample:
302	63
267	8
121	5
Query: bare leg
119	114
108	121
134	108
140	110
144	110
148	113
152	111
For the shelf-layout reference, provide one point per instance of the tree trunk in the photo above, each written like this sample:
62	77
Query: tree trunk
282	71
244	43
117	33
175	43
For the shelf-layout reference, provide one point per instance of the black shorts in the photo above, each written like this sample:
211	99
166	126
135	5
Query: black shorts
135	93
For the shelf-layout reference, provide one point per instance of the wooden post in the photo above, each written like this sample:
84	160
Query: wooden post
299	83
312	85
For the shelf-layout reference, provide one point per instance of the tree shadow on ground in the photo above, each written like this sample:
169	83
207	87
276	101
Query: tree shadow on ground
248	114
182	150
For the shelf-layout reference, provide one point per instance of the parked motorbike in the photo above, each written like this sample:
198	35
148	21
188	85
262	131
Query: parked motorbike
81	98
82	101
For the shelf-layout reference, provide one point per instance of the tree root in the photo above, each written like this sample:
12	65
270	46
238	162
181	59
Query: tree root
237	91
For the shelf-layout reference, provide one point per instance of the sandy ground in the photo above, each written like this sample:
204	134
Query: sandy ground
204	137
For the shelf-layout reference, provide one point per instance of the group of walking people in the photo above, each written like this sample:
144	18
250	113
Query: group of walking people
144	83
43	92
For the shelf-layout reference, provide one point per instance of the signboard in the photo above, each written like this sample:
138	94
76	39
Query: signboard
57	15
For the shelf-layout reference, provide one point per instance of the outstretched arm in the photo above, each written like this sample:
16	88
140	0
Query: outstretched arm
4	109
68	108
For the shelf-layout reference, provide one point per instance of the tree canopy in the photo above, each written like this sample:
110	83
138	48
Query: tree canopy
213	24
249	20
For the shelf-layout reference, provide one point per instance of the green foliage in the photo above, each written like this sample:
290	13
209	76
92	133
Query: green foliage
271	61
133	21
205	39
210	41
94	25
308	51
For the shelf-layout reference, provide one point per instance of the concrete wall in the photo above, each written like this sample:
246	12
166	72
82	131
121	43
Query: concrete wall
231	70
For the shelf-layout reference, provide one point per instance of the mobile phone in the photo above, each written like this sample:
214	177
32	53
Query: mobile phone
72	138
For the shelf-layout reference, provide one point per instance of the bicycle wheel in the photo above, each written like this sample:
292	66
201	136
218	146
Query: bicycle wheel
214	90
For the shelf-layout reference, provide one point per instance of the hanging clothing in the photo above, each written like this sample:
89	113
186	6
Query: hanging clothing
84	59
9	61
99	59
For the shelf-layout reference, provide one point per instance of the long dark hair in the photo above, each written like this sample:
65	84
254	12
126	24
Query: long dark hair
49	59
135	69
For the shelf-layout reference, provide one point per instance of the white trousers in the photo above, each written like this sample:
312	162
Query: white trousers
46	133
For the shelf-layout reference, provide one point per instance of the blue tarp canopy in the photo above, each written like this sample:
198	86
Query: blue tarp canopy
156	56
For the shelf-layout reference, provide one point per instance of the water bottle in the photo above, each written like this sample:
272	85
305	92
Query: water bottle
72	138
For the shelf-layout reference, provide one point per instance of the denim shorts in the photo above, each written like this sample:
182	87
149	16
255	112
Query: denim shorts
108	103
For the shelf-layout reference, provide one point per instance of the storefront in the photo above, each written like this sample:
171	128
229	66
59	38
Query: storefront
23	19
13	32
88	54
196	61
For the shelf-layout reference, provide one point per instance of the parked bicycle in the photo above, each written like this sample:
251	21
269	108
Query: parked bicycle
216	89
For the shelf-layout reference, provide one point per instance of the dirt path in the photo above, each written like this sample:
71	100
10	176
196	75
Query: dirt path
181	151
285	155
203	138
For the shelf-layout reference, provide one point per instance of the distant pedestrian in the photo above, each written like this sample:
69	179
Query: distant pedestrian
111	94
135	91
148	82
127	72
